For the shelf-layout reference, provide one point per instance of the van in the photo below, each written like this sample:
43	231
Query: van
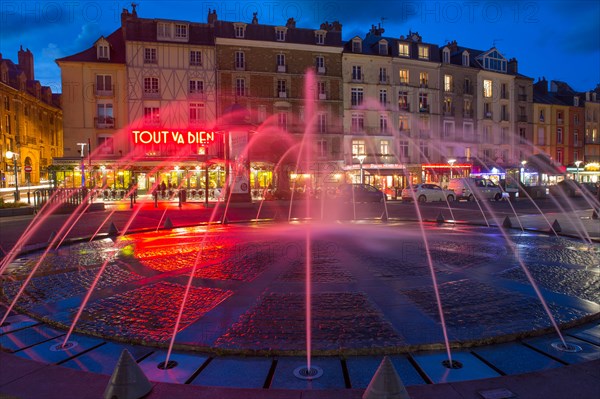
471	188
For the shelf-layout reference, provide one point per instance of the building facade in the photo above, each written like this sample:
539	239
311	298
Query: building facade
30	124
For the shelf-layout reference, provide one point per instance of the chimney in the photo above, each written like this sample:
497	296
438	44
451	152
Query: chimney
290	23
541	86
513	68
26	63
212	17
254	18
587	96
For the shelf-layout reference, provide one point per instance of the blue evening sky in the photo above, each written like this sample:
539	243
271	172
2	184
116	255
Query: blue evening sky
556	39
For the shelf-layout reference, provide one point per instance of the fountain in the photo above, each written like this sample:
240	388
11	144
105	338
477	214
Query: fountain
353	288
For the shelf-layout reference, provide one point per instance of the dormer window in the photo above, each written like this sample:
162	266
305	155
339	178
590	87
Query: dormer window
383	47
320	37
493	61
240	30
356	46
163	30
446	55
280	33
181	31
576	101
465	58
403	50
424	52
102	49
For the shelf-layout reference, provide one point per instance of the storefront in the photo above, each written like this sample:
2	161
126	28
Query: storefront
588	173
442	173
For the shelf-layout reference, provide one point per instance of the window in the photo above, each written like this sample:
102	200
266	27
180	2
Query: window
403	123
195	58
356	96
424	52
504	113
383	97
197	113
503	91
403	100
356	46
487	110
403	76
403	50
384	147
152	115
423	104
541	136
240	30
423	79
196	86
504	135
151	86
448	110
576	138
7	124
357	124
181	31
319	38
468	131
163	30
280	59
322	123
356	72
282	120
559	117
358	147
383	48
322	148
240	62
559	135
320	63
447	83
403	149
281	88
448	131
559	155
465	59
102	52
383	77
103	84
467	108
487	135
280	34
576	101
446	56
240	87
541	115
576	119
322	90
105	145
105	116
424	150
262	113
383	123
149	55
487	88
468	88
6	103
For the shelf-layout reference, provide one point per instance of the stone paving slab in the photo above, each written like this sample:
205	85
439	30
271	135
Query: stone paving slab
472	368
187	365
27	337
17	322
515	358
587	333
235	373
361	370
49	352
103	359
332	377
544	344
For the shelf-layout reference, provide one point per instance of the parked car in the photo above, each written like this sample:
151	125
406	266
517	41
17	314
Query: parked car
427	193
360	193
567	187
591	187
470	188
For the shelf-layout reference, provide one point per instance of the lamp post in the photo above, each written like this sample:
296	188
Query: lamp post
451	162
82	164
361	159
13	156
577	163
523	163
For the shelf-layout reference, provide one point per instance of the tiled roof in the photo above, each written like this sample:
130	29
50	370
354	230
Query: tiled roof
117	51
145	30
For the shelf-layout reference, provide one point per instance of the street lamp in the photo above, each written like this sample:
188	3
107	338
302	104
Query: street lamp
451	162
13	156
361	159
523	163
577	163
82	164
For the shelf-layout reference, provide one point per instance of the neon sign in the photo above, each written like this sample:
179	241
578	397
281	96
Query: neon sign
172	137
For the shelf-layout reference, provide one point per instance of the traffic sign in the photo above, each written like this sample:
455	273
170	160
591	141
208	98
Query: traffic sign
28	169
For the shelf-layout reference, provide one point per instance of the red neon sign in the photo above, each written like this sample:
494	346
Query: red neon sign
173	137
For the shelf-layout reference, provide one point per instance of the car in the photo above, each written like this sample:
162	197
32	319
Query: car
359	192
591	187
567	187
427	193
471	188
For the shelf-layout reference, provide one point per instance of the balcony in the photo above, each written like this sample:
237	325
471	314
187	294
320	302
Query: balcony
522	118
240	67
559	121
487	115
449	111
522	97
424	109
384	80
404	82
322	96
105	122
282	68
423	85
151	94
504	96
321	70
282	94
104	91
197	95
468	90
357	78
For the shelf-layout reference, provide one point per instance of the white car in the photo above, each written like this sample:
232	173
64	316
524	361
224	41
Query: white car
427	193
470	188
